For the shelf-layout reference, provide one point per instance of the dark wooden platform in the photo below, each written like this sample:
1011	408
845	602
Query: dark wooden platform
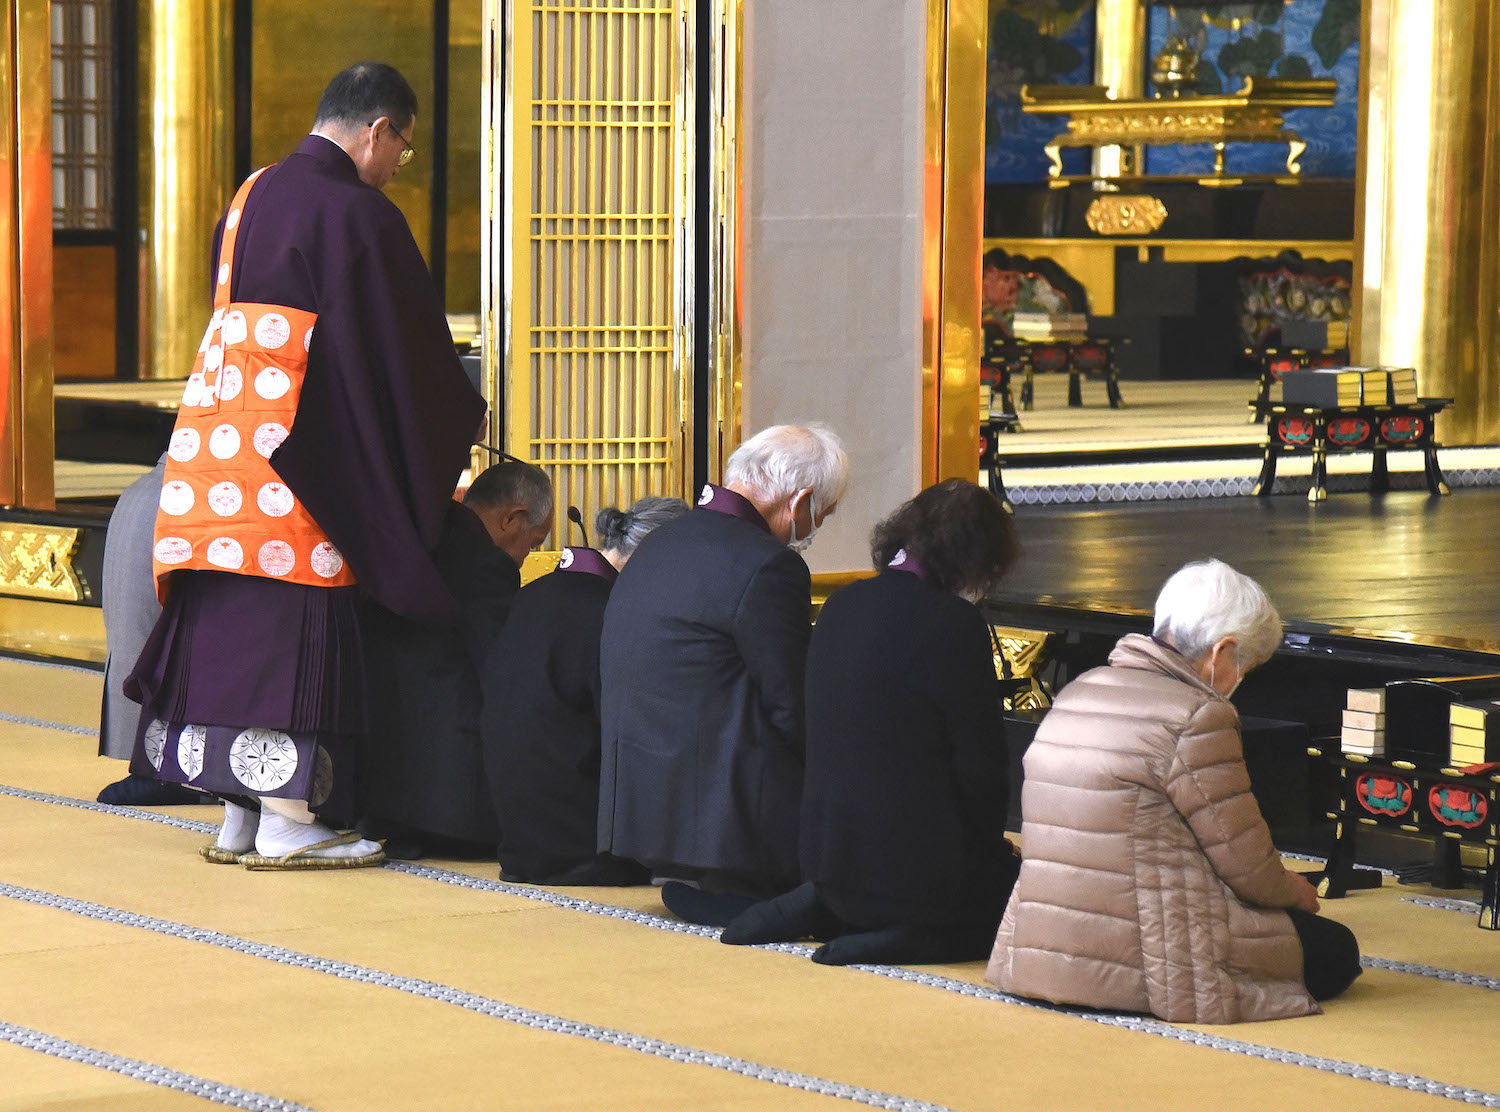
1402	570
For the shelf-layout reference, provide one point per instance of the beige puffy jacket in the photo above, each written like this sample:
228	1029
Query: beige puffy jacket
1149	881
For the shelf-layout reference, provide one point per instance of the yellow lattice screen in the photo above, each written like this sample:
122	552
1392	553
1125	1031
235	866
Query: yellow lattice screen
594	381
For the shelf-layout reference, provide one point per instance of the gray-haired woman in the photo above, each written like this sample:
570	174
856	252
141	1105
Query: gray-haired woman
541	710
1149	881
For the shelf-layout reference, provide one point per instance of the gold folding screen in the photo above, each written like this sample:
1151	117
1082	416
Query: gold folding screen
595	169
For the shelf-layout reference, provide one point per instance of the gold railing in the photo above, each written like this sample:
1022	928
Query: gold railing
591	182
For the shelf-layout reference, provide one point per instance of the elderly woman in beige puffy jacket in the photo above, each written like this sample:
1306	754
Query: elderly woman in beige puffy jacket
1149	881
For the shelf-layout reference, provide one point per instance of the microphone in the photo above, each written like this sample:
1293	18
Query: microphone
577	519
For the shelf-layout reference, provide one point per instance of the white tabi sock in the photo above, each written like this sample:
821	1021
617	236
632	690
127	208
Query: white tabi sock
287	824
237	835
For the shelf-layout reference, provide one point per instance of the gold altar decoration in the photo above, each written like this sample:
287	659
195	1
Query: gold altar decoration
1092	260
1251	115
191	134
36	561
1125	214
1427	203
26	325
1021	654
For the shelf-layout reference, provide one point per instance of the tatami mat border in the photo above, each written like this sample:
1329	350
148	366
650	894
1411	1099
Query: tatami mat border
1468	907
195	825
215	1091
474	1002
23	720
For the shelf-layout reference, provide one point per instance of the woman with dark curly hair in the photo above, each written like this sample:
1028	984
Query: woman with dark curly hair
903	849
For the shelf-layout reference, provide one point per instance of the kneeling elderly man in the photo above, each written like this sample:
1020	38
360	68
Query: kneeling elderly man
701	667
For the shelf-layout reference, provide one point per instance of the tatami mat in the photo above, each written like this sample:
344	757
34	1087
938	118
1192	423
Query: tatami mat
281	1001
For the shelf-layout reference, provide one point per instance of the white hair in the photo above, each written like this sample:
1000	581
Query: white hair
779	461
1208	600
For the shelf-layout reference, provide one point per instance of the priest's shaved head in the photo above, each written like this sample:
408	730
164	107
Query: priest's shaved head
370	110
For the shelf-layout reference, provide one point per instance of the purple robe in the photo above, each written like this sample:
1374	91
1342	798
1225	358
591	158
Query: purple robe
383	428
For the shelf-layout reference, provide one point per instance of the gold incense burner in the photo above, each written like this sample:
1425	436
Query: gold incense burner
1174	70
1251	115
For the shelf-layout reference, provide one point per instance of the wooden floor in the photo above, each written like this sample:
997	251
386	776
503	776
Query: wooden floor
1403	564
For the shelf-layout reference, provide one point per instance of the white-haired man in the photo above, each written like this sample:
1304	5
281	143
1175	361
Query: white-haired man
701	666
1150	883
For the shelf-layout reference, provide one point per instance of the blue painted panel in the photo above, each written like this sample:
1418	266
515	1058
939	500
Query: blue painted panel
1037	42
1316	38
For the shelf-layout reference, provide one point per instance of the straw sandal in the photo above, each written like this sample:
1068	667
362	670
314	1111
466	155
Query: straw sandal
297	859
218	855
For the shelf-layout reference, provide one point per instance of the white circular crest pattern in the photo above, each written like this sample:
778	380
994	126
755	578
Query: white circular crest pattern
268	438
185	445
172	550
272	383
272	331
326	560
231	382
225	552
223	273
707	496
155	742
307	339
235	328
190	750
566	560
224	442
176	498
192	391
276	558
274	500
232	220
263	760
225	499
213	359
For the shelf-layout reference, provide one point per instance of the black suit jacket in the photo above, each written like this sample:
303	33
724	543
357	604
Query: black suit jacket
903	819
702	657
541	725
422	765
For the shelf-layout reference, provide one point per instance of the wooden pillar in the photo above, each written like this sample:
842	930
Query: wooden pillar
1427	241
191	140
26	432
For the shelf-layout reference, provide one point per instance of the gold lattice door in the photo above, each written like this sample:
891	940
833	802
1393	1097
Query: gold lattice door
597	166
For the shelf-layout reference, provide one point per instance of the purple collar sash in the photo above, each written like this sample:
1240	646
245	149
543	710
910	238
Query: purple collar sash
722	500
589	561
905	561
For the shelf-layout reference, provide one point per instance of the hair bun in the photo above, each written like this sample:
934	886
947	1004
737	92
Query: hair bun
610	526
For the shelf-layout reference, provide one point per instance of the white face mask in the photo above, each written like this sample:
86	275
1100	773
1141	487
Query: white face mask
799	544
1237	682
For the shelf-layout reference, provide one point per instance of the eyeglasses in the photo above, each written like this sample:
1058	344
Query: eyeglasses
409	152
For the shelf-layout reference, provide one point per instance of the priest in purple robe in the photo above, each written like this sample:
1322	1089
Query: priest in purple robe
252	686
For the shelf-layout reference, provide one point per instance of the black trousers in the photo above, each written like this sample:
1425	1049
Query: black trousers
1330	954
